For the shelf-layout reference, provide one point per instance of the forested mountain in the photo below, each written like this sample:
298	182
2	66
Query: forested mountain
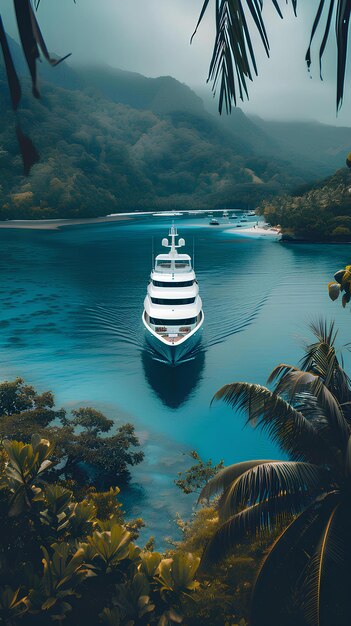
159	95
111	140
322	213
321	148
324	145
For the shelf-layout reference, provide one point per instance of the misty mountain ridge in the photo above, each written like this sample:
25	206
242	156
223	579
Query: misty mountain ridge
159	95
313	140
322	146
112	140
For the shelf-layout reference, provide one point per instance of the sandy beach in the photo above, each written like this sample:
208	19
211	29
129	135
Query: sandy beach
256	232
55	224
61	223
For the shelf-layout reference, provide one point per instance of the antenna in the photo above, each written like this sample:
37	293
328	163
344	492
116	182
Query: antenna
193	253
152	253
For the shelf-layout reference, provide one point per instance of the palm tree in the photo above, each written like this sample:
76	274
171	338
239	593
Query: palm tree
305	578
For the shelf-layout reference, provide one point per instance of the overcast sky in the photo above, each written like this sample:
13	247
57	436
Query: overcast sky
152	37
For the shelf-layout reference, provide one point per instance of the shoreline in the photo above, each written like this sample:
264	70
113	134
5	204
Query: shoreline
256	232
56	224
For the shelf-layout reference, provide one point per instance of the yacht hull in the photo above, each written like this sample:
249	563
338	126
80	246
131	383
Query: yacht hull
177	352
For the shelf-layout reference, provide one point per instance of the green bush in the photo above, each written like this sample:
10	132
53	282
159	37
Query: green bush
67	565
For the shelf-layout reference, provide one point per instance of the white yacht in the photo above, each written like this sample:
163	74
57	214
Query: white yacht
173	315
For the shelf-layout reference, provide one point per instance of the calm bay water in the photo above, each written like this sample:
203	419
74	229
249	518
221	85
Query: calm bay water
71	304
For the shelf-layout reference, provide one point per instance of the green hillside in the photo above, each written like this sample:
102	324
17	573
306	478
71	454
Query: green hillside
114	141
99	157
160	95
323	213
323	145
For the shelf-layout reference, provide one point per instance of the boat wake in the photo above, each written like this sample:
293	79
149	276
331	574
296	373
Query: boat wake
234	321
118	329
107	326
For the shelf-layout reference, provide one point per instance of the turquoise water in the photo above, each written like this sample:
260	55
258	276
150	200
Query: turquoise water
71	304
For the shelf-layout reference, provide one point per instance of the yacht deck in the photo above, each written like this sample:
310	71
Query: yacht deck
173	337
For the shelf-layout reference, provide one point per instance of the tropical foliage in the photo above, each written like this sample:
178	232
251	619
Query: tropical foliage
198	475
306	497
84	448
322	213
68	555
61	563
68	561
342	284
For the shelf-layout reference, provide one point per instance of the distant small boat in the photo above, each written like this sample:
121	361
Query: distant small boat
214	222
225	213
243	219
251	214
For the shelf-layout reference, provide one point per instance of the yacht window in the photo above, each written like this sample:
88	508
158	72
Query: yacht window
187	283
159	322
181	264
164	264
172	301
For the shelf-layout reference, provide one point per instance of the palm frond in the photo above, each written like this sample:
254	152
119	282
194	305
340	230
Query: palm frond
324	331
286	561
321	359
312	584
292	382
272	480
226	476
255	519
233	60
348	459
12	77
286	426
332	370
342	31
280	371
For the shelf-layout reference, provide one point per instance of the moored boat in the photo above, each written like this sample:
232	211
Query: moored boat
173	315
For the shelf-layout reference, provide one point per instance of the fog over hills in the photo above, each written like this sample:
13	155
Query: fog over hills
321	143
112	140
